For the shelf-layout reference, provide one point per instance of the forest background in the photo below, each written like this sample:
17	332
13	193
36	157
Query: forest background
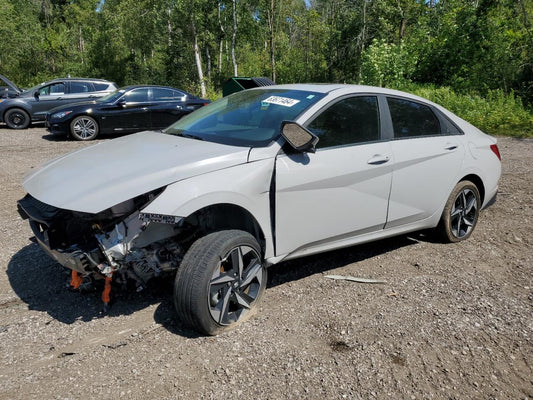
474	57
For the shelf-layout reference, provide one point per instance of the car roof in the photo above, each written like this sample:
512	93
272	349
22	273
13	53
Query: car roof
327	88
129	87
79	79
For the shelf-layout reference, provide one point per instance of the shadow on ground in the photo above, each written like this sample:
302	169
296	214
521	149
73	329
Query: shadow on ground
42	283
297	269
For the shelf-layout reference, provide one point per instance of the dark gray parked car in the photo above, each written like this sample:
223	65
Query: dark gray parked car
20	110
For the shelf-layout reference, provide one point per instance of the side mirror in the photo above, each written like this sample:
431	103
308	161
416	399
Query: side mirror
121	103
298	137
36	94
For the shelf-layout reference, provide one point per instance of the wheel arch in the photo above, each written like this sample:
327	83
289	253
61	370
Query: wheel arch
226	216
476	180
20	106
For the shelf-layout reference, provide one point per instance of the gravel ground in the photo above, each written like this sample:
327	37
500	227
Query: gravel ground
452	322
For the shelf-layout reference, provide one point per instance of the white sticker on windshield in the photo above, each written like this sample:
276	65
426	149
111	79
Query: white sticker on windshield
281	101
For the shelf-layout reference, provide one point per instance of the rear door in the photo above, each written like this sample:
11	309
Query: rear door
167	107
428	153
80	91
340	191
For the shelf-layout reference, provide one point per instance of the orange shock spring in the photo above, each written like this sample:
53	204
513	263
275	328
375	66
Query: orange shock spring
107	289
75	280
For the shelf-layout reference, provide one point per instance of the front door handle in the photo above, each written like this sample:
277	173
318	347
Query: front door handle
378	159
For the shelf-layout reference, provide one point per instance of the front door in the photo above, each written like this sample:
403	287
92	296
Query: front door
340	191
131	113
49	96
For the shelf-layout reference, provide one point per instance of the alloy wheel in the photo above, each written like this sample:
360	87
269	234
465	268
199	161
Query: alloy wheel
85	128
464	213
235	285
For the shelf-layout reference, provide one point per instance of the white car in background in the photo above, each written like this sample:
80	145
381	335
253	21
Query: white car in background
261	176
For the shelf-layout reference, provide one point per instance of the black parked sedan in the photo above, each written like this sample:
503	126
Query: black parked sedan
129	109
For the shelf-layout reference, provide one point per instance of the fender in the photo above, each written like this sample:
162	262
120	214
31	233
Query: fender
245	185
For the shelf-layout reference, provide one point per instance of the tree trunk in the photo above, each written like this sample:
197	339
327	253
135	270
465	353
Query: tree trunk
208	55
271	38
221	43
363	39
169	28
401	30
233	37
197	58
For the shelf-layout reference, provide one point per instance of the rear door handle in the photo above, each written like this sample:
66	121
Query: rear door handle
378	159
450	146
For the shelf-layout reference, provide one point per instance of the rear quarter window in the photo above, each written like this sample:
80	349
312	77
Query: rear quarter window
101	86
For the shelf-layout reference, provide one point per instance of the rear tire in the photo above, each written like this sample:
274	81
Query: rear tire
461	212
17	118
220	281
84	128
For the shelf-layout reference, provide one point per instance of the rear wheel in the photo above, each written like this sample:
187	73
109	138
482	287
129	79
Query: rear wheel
17	118
84	128
220	281
460	213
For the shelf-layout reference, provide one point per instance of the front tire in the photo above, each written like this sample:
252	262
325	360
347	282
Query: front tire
220	281
84	128
461	212
17	118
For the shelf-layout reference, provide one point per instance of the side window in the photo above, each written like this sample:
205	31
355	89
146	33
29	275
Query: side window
101	86
80	87
137	96
162	94
53	89
411	119
349	121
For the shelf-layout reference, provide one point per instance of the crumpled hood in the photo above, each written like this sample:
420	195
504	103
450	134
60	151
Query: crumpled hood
100	176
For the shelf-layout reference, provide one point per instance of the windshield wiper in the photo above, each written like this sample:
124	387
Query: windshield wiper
190	136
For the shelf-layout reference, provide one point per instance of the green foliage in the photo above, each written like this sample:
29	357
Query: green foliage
496	113
387	64
473	56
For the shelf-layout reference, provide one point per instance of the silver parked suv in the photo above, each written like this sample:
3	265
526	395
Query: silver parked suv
33	104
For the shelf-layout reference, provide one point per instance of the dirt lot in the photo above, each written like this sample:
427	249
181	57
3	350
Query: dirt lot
452	322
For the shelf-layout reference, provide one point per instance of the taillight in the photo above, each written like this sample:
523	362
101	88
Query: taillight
496	151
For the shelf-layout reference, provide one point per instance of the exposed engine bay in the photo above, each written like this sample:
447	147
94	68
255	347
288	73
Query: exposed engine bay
118	242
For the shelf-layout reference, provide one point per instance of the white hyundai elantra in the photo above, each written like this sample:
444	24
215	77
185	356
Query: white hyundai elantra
261	176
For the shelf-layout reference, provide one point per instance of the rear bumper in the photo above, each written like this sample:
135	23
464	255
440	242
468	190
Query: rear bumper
491	199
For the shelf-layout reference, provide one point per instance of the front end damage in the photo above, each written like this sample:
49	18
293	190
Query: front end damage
119	243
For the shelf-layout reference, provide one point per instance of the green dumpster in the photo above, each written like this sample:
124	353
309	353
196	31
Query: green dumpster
238	83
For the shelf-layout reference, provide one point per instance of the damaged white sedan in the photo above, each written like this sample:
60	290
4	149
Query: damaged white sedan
258	177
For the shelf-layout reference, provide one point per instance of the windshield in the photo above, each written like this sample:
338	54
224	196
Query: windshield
32	89
111	96
247	118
